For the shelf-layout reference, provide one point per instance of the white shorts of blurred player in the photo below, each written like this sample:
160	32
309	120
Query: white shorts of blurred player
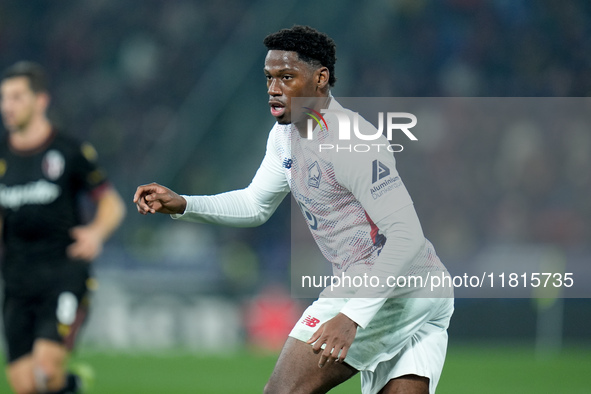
406	336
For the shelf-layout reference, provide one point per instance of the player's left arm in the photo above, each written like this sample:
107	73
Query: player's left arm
375	183
405	240
89	238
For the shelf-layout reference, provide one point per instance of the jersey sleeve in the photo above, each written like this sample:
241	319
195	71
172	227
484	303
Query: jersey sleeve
87	173
405	241
374	181
248	207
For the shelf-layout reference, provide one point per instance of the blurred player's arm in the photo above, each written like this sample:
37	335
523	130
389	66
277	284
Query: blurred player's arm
89	238
247	207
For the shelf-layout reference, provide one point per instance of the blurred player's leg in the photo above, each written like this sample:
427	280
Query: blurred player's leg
49	358
19	328
61	314
20	375
43	371
297	371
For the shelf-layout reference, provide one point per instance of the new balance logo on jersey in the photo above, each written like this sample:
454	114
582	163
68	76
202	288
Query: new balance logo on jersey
379	171
310	321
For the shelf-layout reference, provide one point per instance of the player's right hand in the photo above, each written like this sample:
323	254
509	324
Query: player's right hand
154	198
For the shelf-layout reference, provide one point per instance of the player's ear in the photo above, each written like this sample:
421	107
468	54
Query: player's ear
322	76
43	100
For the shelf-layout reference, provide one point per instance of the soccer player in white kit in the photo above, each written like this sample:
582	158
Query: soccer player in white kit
364	222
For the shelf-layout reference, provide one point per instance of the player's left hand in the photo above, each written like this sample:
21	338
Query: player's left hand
337	334
87	244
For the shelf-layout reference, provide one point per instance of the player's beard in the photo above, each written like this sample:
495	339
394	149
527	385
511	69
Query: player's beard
21	121
283	120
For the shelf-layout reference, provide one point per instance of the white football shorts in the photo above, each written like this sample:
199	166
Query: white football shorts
406	336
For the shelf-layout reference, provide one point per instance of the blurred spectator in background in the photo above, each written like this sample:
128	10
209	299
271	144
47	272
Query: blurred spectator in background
270	317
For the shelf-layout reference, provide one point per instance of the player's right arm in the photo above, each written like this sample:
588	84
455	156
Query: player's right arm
154	198
248	207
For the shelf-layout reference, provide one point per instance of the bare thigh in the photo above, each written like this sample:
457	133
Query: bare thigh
407	384
297	371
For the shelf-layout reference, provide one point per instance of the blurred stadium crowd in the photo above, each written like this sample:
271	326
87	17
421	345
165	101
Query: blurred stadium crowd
173	92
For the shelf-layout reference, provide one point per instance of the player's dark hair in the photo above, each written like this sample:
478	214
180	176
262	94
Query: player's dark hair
35	74
312	47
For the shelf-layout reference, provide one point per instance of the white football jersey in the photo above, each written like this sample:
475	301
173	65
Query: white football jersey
343	188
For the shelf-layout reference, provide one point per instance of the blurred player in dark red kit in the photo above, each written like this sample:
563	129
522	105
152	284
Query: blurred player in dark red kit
47	247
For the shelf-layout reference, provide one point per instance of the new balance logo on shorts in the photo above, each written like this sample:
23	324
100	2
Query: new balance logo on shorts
310	321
